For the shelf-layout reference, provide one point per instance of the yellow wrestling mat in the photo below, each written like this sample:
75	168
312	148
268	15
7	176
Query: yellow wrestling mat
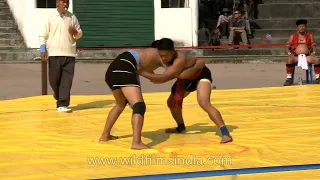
274	128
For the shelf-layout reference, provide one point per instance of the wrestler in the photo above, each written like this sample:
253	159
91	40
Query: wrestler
302	42
123	79
189	80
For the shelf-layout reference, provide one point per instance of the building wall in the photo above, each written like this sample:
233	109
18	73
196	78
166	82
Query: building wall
179	24
30	19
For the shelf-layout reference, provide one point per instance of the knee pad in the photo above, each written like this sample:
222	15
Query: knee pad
139	108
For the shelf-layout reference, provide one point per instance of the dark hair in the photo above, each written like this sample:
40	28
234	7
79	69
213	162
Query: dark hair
154	44
165	44
301	21
237	9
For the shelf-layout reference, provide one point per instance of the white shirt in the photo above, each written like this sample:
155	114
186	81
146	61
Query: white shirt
56	36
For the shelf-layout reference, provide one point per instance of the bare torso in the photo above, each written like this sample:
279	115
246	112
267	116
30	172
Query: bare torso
302	47
150	60
189	60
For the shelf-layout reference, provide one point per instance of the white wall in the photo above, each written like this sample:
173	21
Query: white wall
178	24
30	19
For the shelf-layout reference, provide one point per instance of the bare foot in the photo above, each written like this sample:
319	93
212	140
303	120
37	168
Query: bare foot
174	130
226	139
139	146
107	138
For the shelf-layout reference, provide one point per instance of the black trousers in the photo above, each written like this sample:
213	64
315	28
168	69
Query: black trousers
61	72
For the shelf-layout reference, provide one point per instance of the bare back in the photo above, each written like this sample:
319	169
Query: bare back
149	59
189	61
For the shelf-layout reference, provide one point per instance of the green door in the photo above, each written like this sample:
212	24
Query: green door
115	23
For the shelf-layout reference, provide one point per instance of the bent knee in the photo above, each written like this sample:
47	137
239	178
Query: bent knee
139	108
173	103
204	104
121	107
312	60
292	59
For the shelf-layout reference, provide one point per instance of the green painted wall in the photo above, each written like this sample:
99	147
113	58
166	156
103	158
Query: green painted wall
115	23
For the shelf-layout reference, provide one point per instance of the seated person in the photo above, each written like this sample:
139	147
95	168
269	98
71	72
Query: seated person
237	26
243	7
301	42
223	23
204	35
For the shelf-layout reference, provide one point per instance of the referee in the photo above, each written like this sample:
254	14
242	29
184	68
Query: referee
58	45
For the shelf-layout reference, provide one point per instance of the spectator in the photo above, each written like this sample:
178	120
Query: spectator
237	27
204	35
223	22
242	6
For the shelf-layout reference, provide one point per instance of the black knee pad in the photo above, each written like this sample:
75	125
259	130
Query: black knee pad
139	108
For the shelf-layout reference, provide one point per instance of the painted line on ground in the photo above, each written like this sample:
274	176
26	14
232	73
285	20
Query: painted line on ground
222	172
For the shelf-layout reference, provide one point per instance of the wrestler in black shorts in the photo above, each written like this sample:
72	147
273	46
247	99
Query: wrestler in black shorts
122	72
123	80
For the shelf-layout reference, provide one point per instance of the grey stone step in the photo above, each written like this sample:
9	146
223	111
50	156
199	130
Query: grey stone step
289	10
242	52
3	4
11	42
9	17
11	48
282	32
111	54
7	23
9	35
283	23
4	10
9	30
5	13
21	56
258	40
287	1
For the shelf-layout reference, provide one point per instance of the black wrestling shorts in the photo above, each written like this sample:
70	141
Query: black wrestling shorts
122	72
191	85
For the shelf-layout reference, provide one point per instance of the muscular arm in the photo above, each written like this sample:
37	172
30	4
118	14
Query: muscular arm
288	45
170	73
192	70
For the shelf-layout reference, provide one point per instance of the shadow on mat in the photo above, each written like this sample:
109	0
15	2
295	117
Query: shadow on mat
92	105
159	136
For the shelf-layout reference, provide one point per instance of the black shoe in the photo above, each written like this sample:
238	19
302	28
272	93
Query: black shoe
288	82
317	81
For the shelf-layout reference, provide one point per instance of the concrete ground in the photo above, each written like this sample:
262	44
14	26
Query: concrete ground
23	80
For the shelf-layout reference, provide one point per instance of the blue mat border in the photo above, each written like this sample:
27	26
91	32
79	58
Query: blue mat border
221	172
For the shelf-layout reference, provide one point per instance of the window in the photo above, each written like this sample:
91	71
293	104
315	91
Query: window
46	3
173	3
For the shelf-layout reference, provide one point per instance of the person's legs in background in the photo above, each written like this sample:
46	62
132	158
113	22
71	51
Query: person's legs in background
61	73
